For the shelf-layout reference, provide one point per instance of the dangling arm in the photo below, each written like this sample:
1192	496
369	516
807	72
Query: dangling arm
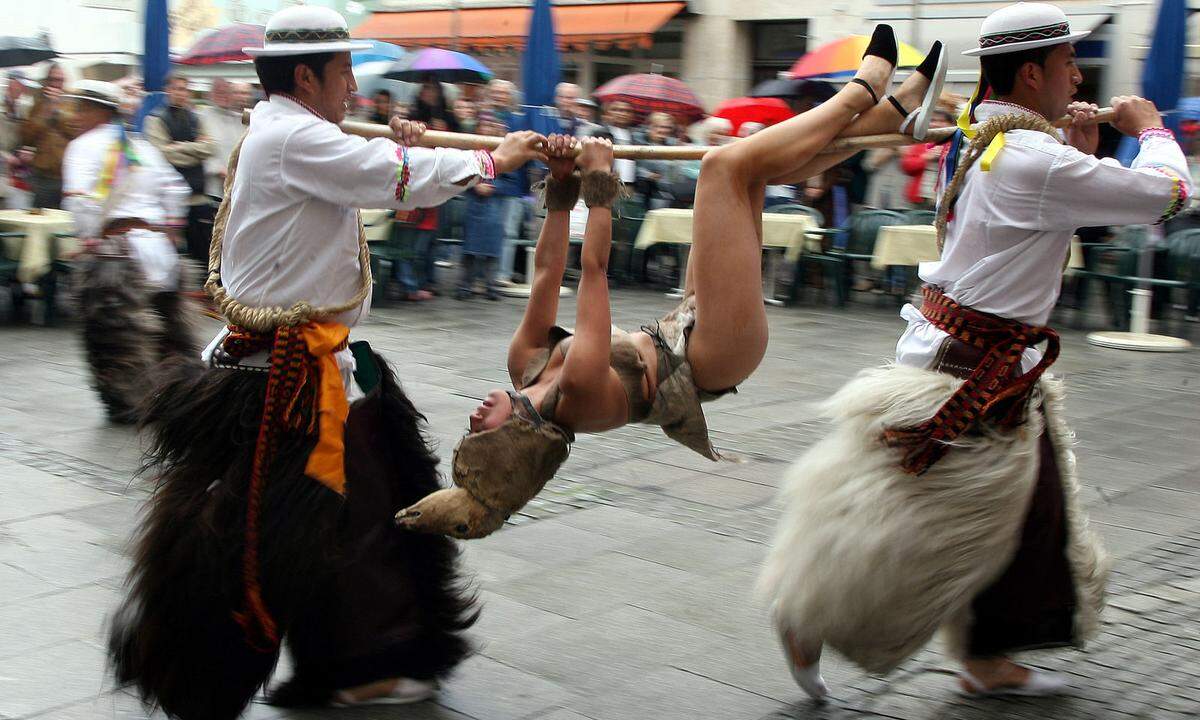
549	257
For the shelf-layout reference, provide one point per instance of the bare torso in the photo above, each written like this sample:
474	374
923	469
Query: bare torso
581	415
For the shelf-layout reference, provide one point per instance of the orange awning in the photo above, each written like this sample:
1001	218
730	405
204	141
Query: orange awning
625	25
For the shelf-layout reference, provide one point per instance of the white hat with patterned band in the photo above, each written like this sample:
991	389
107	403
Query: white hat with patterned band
304	29
1023	26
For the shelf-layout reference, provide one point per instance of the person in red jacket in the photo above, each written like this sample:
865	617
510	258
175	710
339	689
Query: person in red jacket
921	162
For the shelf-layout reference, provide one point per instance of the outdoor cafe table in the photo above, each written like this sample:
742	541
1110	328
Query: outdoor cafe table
673	226
33	251
914	244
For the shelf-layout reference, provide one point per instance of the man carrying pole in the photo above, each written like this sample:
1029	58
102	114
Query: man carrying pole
944	497
280	461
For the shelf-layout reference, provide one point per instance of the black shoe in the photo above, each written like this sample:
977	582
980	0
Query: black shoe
461	294
492	294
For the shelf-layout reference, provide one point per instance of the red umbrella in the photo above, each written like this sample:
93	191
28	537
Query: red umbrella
653	93
767	111
224	45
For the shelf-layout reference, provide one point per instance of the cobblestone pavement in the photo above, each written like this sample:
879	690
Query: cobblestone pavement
624	590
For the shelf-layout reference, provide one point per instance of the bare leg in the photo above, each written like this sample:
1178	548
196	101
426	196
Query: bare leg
994	673
725	273
879	120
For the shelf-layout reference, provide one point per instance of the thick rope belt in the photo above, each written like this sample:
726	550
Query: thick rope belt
984	395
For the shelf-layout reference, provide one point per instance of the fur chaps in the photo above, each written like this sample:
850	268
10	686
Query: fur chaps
175	638
128	328
873	561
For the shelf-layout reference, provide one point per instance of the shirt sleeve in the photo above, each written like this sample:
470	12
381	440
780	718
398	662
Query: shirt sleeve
1082	191
81	170
322	161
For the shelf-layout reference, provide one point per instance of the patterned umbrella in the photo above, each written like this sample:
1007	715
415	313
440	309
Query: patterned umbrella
224	45
653	93
767	111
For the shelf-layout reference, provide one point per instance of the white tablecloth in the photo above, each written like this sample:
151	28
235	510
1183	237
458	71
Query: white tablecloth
674	227
33	251
914	244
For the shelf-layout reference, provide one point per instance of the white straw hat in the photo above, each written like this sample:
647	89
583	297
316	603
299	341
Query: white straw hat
96	91
304	29
1023	26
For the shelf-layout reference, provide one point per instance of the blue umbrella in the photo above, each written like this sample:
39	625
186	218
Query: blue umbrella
379	52
541	71
156	59
1162	70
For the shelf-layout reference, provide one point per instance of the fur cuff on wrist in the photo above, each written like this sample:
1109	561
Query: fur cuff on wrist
561	194
602	188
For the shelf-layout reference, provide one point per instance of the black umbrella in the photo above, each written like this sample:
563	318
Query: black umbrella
443	65
776	88
784	88
18	51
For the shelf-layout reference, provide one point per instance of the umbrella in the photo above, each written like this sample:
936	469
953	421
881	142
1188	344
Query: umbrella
156	59
818	90
767	111
380	52
18	51
540	71
653	93
444	65
840	58
224	45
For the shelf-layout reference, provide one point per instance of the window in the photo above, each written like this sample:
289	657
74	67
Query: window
777	46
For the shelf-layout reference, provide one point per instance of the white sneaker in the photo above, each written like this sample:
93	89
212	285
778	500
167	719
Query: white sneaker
1040	683
407	691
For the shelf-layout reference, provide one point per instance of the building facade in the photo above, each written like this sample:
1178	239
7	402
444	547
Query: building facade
721	48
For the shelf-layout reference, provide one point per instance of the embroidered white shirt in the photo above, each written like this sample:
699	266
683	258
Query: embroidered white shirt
1010	229
292	232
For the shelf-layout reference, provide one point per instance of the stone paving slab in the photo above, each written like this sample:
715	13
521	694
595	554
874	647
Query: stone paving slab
625	590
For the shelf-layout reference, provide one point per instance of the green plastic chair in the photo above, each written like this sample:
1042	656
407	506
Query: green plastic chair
860	233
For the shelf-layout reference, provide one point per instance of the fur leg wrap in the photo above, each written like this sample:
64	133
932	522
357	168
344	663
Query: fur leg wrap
561	195
872	560
120	333
357	601
601	189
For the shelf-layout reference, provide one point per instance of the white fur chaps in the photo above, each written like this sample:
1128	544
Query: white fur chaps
873	561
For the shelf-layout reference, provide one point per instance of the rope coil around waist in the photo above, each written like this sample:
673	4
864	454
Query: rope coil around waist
263	319
984	394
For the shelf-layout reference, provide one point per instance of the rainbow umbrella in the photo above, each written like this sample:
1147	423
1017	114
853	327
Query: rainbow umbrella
840	59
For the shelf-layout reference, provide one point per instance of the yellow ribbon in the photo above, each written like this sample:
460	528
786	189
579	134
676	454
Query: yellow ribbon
327	461
993	149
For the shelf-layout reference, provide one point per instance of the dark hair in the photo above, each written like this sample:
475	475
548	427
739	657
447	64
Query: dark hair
386	93
1000	71
278	74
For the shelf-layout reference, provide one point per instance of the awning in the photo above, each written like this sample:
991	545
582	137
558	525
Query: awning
624	25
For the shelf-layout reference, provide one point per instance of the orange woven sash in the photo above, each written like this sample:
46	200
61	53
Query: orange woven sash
986	393
304	391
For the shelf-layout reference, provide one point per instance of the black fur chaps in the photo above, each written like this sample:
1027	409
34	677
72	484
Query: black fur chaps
356	599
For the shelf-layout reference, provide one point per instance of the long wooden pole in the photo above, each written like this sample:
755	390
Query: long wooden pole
464	141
